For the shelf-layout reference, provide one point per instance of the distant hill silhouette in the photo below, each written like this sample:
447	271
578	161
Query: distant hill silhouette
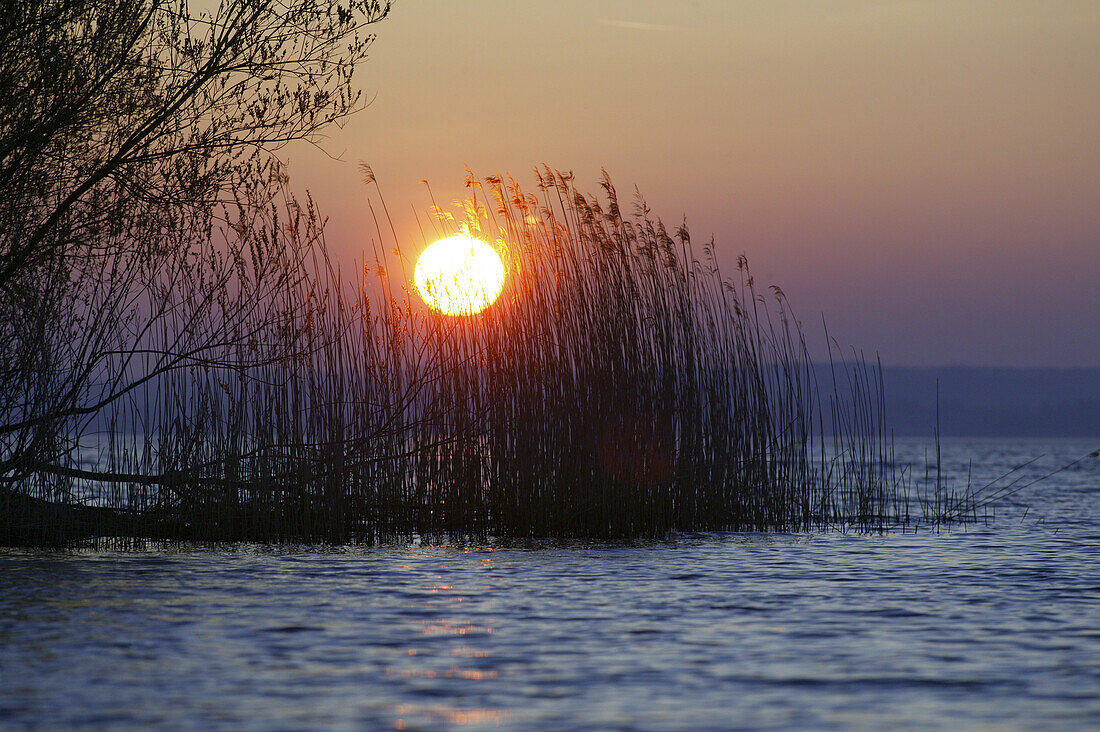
993	402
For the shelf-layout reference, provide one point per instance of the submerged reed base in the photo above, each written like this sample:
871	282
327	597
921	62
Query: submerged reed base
621	388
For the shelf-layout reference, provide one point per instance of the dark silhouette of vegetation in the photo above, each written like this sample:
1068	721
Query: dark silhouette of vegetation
139	186
619	389
183	361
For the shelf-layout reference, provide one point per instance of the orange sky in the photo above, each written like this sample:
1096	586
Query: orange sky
926	173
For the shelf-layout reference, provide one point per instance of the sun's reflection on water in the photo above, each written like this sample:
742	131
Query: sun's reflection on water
417	715
454	672
444	651
447	627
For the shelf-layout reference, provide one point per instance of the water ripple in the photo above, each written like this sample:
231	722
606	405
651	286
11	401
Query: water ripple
988	627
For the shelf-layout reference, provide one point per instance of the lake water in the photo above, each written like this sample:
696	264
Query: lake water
984	627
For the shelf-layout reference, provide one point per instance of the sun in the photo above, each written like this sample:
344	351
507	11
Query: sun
459	275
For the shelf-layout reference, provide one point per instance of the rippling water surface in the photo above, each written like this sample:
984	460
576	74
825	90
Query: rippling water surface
992	626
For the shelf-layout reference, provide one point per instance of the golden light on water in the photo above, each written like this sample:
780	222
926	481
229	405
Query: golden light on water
459	275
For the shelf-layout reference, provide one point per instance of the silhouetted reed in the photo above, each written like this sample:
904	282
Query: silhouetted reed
622	387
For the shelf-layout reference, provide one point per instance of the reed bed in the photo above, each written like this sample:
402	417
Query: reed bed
622	387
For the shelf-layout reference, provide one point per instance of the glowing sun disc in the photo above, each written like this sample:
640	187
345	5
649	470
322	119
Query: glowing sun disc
459	275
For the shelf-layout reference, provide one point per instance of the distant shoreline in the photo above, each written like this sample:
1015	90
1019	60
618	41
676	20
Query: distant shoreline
977	401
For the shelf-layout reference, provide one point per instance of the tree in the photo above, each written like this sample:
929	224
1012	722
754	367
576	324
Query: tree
140	196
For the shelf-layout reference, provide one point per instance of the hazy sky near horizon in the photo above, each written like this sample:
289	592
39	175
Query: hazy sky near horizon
926	173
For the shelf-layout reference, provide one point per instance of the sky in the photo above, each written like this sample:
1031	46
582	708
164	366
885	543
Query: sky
924	174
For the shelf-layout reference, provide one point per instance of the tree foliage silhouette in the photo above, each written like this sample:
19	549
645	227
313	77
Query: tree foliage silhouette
141	190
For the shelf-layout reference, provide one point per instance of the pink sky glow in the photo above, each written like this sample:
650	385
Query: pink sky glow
924	173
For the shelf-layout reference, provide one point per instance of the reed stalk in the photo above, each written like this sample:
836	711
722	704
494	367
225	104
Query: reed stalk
622	387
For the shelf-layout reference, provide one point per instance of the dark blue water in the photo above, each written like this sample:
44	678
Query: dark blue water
993	626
